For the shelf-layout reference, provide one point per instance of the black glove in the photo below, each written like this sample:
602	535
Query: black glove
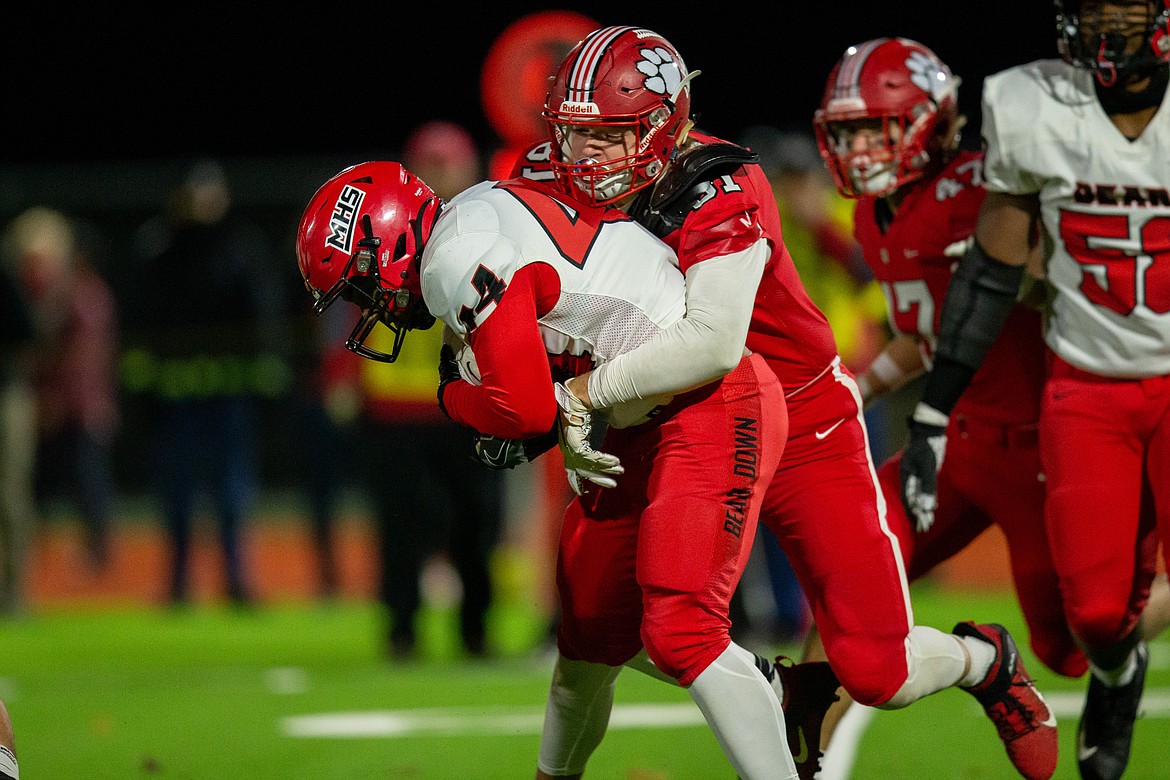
921	460
497	453
448	373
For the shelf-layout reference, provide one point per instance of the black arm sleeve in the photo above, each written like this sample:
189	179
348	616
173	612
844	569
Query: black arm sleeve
979	298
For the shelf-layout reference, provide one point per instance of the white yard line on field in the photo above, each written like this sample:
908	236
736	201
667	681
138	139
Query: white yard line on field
527	720
476	720
454	721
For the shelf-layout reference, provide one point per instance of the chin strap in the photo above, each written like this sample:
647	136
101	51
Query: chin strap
1116	99
1106	71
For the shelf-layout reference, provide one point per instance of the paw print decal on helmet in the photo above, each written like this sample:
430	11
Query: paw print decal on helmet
663	74
928	75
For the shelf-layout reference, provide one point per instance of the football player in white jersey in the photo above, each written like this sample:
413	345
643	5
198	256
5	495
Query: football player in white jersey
1078	156
523	277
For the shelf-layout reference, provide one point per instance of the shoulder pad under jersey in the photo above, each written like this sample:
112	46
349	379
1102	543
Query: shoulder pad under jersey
662	208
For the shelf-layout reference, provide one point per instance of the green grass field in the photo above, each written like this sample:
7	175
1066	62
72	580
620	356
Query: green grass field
301	691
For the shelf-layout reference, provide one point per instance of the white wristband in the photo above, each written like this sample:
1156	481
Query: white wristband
866	388
927	414
887	371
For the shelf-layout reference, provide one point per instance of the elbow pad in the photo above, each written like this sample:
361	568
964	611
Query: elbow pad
980	297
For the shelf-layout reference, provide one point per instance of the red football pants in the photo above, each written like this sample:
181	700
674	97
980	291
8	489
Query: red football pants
991	474
654	561
829	515
1105	445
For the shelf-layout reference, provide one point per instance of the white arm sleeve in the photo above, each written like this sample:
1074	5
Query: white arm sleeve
700	348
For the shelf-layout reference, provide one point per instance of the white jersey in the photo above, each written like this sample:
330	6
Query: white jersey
1105	207
620	285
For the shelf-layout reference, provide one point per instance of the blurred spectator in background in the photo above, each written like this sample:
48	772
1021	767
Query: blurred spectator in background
818	229
199	332
444	155
437	498
342	393
17	432
326	411
74	369
434	499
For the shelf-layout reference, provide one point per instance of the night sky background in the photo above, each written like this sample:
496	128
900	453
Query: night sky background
102	108
351	79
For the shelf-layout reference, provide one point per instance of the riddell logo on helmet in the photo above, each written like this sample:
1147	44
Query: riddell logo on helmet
345	212
589	109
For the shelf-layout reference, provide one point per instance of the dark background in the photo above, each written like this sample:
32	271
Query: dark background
349	78
101	111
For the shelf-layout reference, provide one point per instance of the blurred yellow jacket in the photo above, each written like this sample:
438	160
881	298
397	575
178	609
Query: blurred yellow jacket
405	390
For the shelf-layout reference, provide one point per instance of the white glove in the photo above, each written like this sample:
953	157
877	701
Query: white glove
468	368
576	482
582	462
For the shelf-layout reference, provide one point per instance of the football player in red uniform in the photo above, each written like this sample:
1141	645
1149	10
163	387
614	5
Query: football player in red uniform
521	276
1105	407
621	134
889	128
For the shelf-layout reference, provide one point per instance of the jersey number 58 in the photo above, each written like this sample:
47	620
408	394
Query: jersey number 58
1120	271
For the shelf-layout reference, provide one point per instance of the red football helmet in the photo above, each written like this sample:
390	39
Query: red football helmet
1130	41
900	90
360	239
624	78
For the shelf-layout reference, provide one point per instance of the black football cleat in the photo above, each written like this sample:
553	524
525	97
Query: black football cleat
1105	732
809	689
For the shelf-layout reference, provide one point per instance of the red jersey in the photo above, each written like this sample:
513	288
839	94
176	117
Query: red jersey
787	328
913	267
